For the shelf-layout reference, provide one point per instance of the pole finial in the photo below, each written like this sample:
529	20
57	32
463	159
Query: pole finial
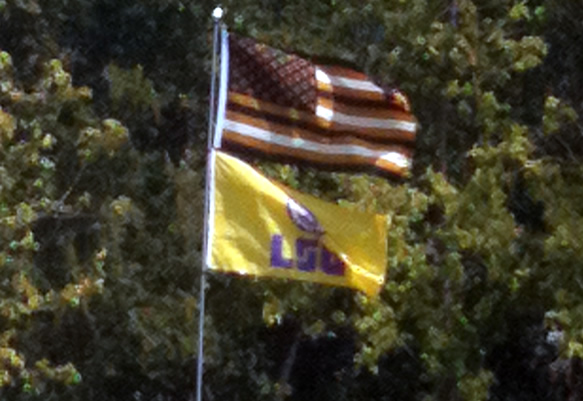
217	13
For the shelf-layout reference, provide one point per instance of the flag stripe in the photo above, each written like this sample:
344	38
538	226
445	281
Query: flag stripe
350	92
235	141
391	160
376	110
299	134
384	103
358	121
330	122
335	81
343	72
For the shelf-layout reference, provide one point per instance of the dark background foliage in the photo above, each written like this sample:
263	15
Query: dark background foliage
103	121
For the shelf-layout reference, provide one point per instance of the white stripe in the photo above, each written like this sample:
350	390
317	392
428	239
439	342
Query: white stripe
365	122
344	82
350	150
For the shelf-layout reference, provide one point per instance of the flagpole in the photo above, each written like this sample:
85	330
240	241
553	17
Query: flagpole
217	15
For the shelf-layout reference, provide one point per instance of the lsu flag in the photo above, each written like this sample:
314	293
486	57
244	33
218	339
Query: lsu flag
281	105
260	228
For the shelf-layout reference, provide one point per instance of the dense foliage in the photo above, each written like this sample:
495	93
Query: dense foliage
103	110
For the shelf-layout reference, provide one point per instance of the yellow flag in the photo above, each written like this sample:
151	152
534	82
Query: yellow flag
258	227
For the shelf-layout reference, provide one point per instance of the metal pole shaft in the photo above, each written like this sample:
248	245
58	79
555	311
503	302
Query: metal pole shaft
217	14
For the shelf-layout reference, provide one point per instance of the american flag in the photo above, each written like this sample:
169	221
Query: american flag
286	107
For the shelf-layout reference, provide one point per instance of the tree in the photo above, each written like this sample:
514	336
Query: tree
102	125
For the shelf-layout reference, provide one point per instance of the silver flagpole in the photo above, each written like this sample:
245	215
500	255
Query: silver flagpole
217	15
